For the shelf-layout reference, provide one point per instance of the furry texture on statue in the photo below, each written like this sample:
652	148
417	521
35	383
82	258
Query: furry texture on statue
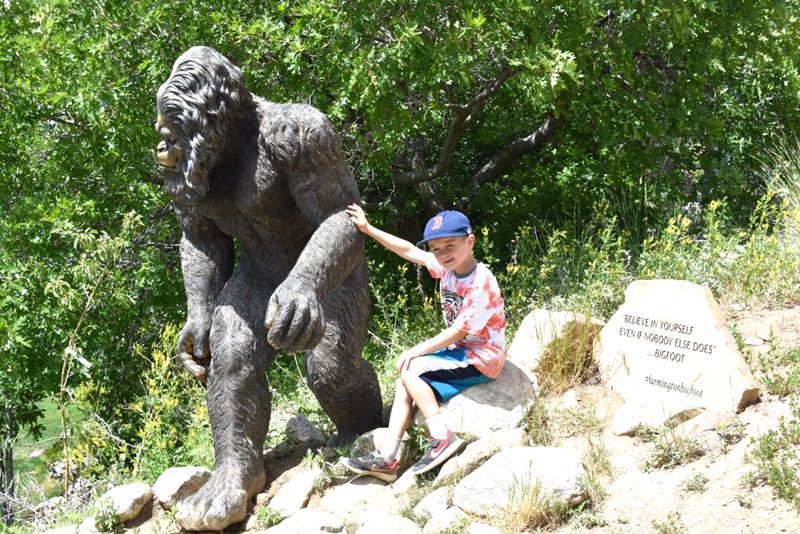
270	177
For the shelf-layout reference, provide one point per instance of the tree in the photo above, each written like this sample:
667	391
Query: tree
523	113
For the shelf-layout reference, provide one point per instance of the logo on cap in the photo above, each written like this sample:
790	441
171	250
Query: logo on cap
437	222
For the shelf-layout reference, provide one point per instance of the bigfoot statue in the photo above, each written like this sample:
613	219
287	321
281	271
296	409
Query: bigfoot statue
273	177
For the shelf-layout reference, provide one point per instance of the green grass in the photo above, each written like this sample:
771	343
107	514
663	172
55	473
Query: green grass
35	469
776	459
779	371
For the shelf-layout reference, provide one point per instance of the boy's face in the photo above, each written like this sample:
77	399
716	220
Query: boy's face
454	253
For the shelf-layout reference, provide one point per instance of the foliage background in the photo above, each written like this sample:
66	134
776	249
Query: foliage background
664	114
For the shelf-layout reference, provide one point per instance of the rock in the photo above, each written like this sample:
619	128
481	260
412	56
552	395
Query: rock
251	523
668	351
515	473
765	417
753	341
433	504
445	521
478	451
406	482
177	483
307	521
697	425
126	501
486	408
89	526
351	501
69	529
482	528
294	494
300	430
49	506
36	453
538	330
381	523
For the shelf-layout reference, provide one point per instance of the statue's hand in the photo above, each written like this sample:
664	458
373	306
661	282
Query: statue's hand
193	348
295	320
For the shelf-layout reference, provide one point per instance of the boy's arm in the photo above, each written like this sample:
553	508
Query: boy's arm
443	339
399	246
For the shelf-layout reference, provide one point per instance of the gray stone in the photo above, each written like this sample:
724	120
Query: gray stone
88	526
445	521
478	451
177	483
405	483
380	523
307	521
127	501
668	351
516	473
69	529
538	330
294	494
482	528
300	430
352	500
433	504
486	408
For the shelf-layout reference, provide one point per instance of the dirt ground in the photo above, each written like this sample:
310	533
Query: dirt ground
666	500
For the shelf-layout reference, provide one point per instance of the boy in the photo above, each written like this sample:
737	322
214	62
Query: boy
471	350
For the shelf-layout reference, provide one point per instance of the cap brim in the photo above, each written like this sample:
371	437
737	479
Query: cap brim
450	234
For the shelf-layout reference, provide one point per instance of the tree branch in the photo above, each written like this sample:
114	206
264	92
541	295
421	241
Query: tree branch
509	154
462	118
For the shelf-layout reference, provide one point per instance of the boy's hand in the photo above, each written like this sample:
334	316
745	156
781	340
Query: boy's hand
358	217
404	361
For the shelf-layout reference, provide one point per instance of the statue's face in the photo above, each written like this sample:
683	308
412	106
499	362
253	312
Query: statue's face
168	151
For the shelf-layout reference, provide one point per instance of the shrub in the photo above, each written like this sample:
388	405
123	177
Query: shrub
776	459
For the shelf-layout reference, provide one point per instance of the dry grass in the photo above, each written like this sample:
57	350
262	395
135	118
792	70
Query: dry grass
568	360
529	508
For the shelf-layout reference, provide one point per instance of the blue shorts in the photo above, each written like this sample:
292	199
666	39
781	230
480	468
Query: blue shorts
448	372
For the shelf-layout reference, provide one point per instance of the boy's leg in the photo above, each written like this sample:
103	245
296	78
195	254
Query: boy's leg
432	378
399	419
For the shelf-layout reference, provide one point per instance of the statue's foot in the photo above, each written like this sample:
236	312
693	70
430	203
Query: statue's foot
222	501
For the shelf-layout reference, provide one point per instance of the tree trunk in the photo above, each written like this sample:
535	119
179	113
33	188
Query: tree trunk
7	471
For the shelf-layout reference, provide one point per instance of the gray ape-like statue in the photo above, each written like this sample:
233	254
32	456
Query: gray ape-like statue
272	176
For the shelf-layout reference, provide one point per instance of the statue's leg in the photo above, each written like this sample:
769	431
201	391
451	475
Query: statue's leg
238	406
343	382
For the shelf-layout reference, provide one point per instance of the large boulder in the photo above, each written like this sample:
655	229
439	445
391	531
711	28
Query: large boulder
486	408
301	431
383	521
177	483
126	501
294	495
668	351
478	451
519	474
307	521
539	329
433	504
353	500
446	521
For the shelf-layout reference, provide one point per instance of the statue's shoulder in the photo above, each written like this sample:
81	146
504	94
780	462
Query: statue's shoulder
291	130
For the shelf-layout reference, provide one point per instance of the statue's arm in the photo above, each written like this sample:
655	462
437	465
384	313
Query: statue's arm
322	187
336	244
207	262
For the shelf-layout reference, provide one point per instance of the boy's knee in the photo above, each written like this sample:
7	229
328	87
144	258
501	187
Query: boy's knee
400	388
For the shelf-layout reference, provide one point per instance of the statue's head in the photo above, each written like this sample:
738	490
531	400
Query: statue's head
196	106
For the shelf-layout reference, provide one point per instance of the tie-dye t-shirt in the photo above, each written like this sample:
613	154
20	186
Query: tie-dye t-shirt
473	304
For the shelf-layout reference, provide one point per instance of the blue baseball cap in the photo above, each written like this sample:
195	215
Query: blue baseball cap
446	224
